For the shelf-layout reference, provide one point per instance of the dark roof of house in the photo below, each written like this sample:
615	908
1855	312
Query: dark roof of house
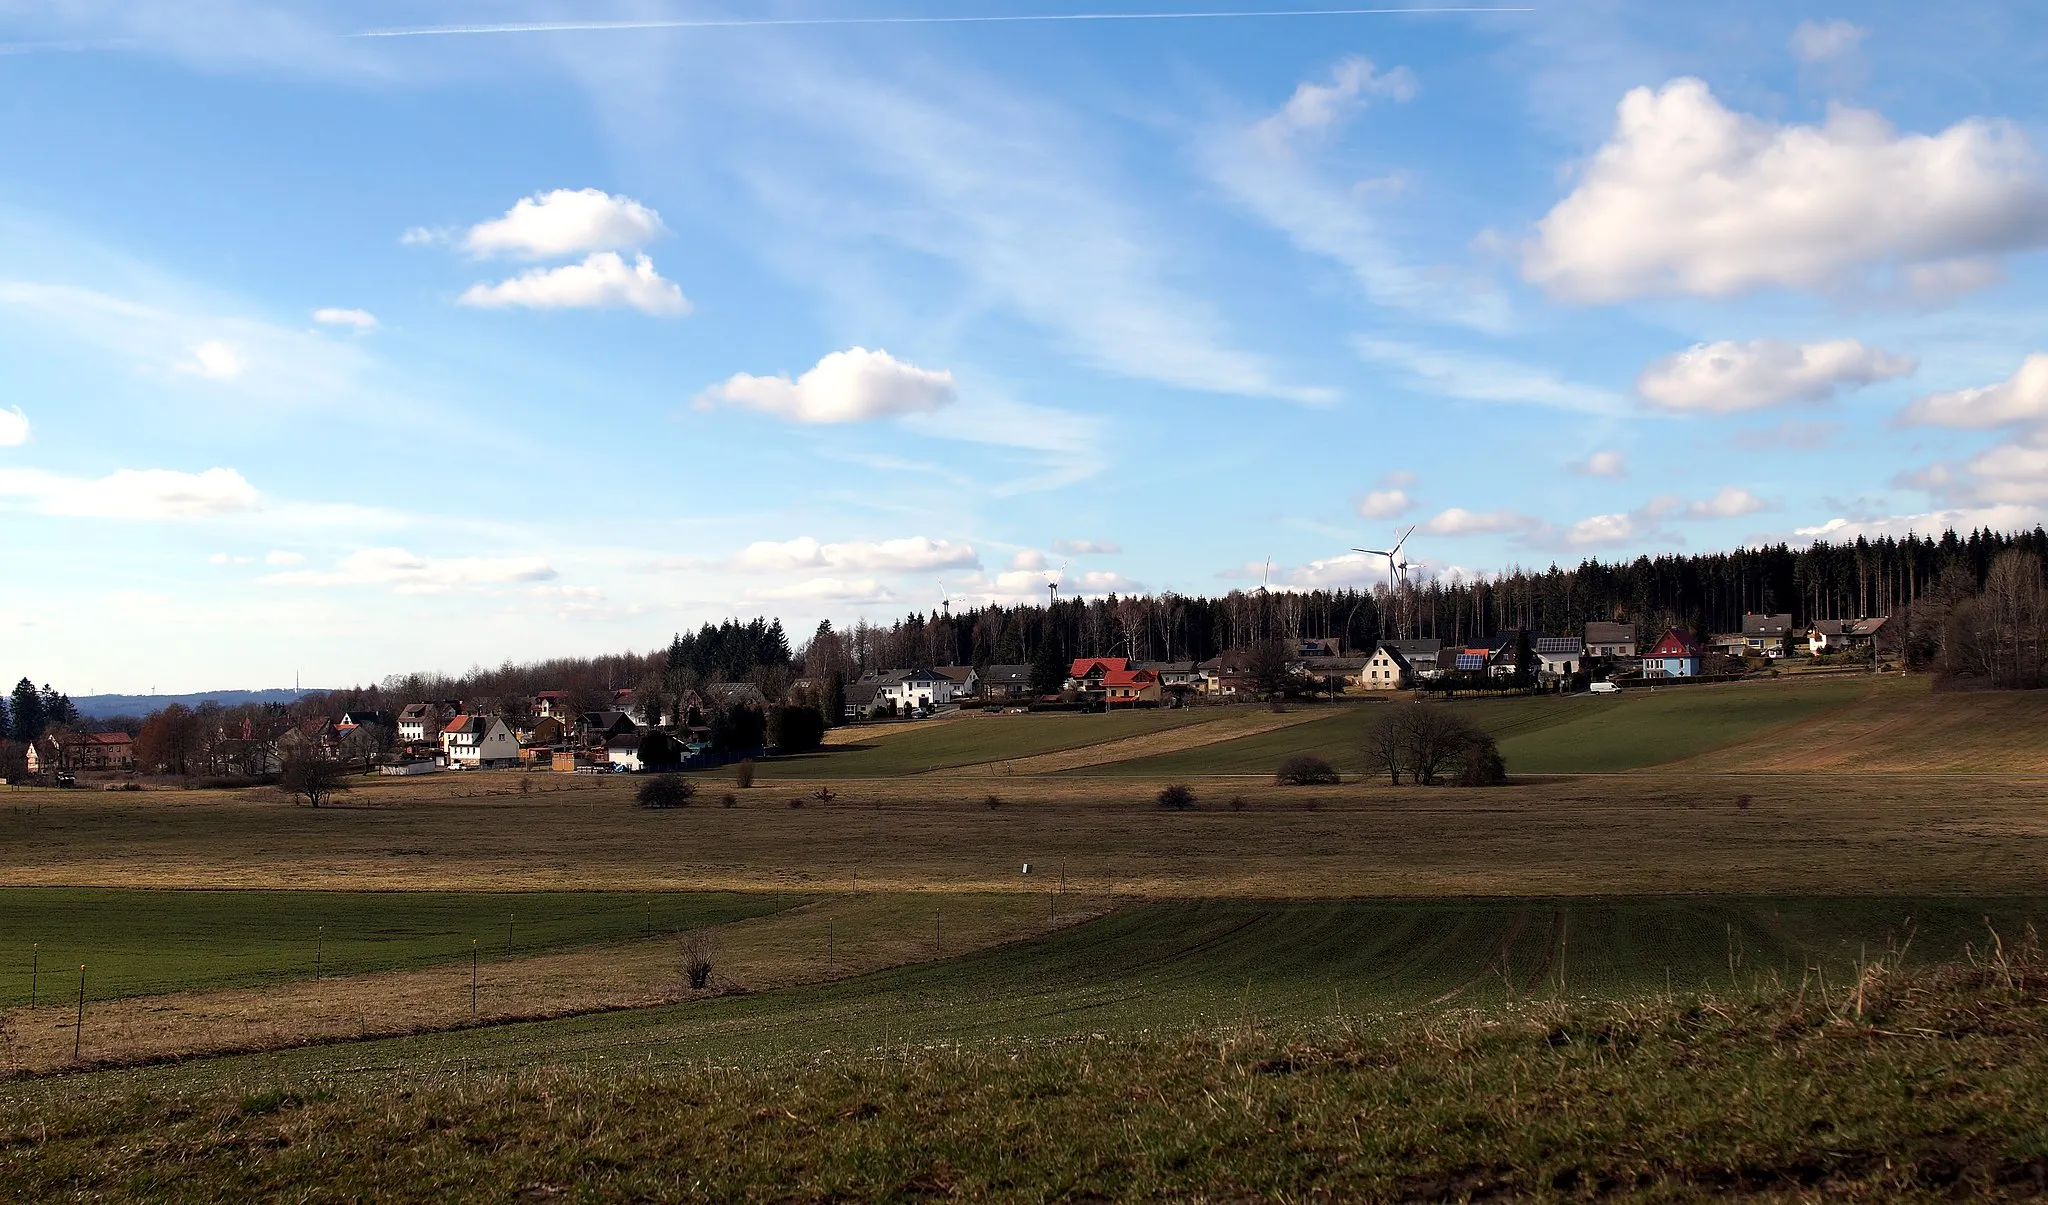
416	712
1392	649
1599	632
1007	674
863	691
1560	644
605	719
1766	625
1333	665
1848	627
1415	650
954	673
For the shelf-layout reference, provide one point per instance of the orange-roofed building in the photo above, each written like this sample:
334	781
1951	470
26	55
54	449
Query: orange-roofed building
1130	687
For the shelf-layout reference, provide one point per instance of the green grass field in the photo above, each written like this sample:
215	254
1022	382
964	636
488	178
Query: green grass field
146	942
1577	734
973	739
1171	967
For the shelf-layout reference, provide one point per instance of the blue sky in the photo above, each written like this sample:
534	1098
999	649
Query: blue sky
336	356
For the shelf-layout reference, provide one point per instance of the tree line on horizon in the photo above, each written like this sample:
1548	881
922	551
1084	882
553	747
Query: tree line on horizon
1926	583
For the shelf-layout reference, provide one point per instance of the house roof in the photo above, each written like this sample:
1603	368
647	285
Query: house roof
1676	643
960	674
548	694
863	691
922	675
1766	625
416	712
1332	665
1392	650
458	724
1598	632
1083	666
1007	674
1849	627
1129	677
1560	644
1415	648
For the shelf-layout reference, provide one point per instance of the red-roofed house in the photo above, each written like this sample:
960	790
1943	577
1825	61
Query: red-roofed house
1086	673
1675	656
1130	687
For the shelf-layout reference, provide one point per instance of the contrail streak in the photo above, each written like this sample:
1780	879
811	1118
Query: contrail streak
440	31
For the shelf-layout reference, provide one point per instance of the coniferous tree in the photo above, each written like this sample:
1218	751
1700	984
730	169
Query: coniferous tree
1048	669
27	711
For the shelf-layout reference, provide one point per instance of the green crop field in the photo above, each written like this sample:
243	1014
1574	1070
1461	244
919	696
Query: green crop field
1576	734
1169	967
973	739
147	942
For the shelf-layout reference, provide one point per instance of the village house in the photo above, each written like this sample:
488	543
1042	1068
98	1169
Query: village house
1768	635
1836	635
1087	673
1561	656
1386	669
861	694
1611	640
1005	682
67	751
1677	655
601	726
917	688
1424	657
1130	687
419	722
966	681
478	742
550	704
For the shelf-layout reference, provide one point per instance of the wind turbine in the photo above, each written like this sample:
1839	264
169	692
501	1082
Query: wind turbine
1394	563
945	599
1052	588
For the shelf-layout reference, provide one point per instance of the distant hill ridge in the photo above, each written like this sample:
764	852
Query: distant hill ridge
101	706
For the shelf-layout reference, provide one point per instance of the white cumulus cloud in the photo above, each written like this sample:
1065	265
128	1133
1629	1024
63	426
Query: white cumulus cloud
914	554
1596	530
2022	397
216	360
1689	197
848	386
362	320
1384	504
1087	547
1822	41
824	589
1030	560
1457	521
566	222
14	428
408	573
132	493
601	281
1601	464
1728	503
1728	377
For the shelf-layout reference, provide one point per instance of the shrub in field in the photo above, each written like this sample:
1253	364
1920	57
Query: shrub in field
307	775
743	775
994	802
666	791
1483	765
796	801
698	948
1305	770
728	800
1177	798
1237	803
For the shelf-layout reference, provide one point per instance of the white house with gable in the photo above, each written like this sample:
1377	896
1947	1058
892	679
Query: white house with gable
478	742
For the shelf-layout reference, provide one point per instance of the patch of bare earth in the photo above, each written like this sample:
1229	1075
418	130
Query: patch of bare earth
1150	744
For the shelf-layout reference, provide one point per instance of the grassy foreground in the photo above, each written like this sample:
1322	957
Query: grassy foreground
1907	1083
136	943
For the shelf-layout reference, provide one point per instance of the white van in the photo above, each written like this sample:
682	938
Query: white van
1604	687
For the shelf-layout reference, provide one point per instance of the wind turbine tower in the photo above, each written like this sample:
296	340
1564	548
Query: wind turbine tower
1395	565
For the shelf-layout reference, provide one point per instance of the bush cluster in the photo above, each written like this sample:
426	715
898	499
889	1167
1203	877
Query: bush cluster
666	791
1306	770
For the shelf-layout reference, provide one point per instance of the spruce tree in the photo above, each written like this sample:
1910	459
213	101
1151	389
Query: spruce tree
1048	671
28	711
